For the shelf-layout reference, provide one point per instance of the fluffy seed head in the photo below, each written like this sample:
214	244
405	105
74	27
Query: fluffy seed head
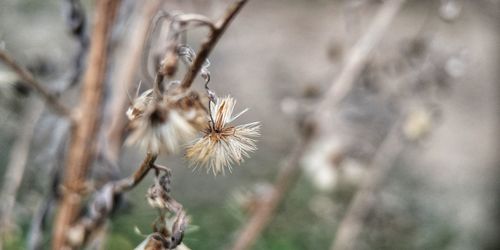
159	126
222	144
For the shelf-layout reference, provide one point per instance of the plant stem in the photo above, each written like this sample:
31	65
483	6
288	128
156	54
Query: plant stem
207	46
84	130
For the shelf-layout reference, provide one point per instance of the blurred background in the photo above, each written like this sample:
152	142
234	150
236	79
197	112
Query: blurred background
426	106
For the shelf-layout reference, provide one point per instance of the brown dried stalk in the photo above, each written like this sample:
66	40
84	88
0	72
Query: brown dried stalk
28	78
84	130
137	176
218	29
341	86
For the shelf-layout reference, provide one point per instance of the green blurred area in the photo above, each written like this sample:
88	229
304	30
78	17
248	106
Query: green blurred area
295	226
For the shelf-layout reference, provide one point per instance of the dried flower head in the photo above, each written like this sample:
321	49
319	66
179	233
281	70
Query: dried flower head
222	144
158	126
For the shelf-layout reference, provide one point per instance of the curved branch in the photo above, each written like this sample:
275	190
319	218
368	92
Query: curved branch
207	46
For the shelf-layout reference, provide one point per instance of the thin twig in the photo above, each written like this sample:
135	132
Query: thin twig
137	176
341	86
28	78
207	46
84	131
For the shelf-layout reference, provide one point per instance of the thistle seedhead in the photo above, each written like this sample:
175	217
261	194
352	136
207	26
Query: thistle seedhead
222	144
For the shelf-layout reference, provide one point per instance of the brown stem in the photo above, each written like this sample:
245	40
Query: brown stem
137	176
84	131
207	46
28	78
341	86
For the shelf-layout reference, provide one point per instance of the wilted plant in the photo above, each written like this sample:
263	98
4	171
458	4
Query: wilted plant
164	122
168	117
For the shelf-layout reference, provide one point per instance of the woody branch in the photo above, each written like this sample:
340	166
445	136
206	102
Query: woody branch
84	130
